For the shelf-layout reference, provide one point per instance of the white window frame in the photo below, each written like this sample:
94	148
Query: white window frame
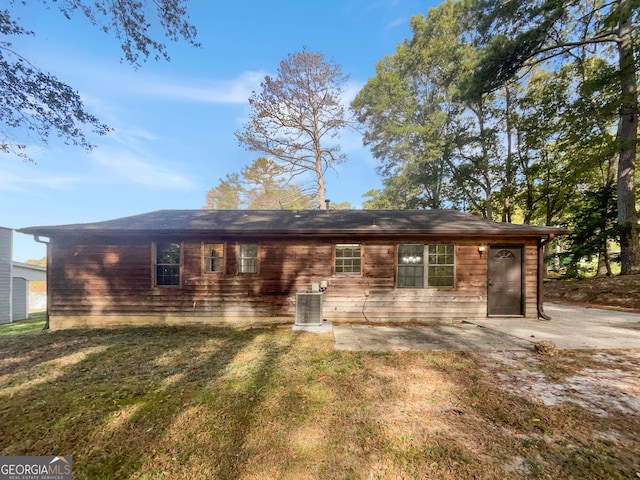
424	262
243	260
410	260
440	255
347	261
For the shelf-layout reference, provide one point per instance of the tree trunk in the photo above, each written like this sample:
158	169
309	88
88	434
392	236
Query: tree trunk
508	187
321	191
604	263
627	135
488	209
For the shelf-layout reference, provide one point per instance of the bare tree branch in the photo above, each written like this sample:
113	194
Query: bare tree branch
294	115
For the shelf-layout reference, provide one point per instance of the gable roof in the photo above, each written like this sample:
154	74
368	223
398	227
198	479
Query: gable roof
319	222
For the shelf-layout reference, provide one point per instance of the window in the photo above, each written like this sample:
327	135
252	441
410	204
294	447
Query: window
440	272
167	264
348	258
248	258
439	263
410	265
213	257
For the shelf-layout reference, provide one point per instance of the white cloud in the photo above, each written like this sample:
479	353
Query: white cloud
120	79
129	167
197	90
236	91
399	22
350	137
130	135
123	132
37	179
351	89
106	165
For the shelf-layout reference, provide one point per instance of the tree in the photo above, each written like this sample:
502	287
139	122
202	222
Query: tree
542	117
228	195
436	144
37	102
263	185
295	116
593	225
39	286
524	33
267	187
379	200
341	206
406	129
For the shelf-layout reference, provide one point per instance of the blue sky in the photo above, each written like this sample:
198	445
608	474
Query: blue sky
174	122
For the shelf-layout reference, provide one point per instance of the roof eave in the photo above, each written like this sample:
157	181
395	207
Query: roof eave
497	232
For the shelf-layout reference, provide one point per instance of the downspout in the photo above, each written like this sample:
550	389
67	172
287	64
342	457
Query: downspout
540	296
48	244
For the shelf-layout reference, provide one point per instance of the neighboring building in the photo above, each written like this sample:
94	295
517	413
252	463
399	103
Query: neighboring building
22	274
6	287
14	281
245	267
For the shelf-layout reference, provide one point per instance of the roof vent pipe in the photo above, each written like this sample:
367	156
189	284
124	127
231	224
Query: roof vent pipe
327	202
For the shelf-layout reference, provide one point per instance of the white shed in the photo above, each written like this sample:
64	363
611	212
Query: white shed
14	280
22	274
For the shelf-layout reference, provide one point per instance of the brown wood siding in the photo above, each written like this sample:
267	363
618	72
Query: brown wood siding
531	280
89	277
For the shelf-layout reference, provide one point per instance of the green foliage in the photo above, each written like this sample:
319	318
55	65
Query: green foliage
406	114
37	103
262	185
437	145
42	262
227	195
378	200
503	56
503	106
600	38
341	206
594	224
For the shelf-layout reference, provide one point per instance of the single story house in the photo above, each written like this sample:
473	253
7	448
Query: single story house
238	267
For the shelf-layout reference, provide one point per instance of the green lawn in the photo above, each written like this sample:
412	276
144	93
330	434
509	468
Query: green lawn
195	402
30	325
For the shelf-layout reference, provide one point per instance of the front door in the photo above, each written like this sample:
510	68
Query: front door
505	281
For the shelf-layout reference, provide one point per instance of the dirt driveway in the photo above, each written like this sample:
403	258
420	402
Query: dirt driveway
570	328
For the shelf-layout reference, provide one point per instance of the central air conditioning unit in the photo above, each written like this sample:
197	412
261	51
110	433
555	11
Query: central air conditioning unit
309	308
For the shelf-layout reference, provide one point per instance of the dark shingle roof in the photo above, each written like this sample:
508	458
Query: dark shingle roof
440	222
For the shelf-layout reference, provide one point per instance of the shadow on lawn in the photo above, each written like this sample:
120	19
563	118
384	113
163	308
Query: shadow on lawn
117	407
198	402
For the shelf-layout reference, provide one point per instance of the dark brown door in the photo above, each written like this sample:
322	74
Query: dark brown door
505	281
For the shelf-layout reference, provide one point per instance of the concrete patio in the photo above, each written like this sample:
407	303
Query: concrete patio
570	328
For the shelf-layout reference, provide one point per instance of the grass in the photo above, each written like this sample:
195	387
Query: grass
30	325
185	403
